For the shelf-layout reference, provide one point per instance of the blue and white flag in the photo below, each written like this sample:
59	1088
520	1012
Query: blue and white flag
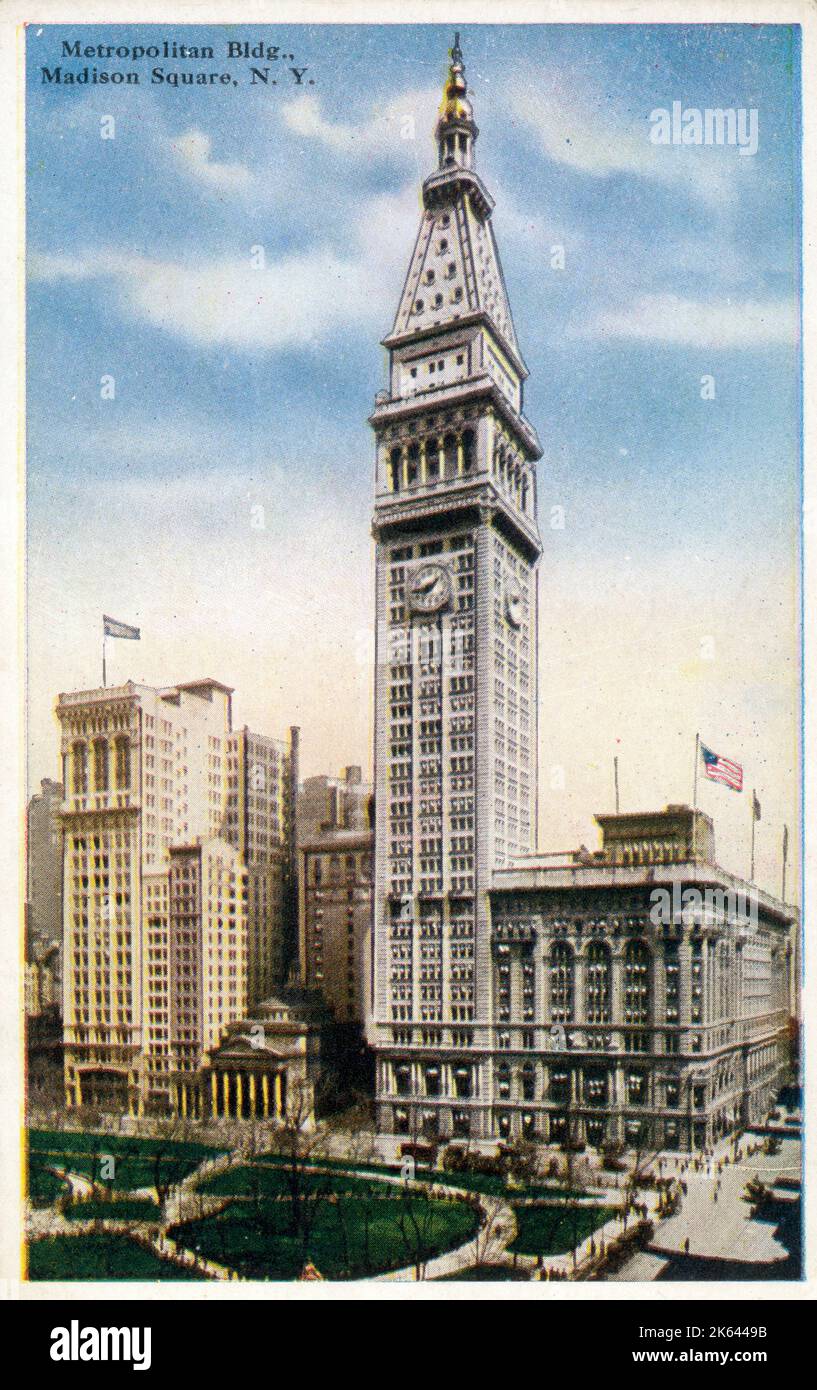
114	629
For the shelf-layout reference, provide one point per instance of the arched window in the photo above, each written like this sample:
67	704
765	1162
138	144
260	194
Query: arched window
597	987
528	1081
413	467
432	460
503	1078
561	983
79	757
468	450
463	1082
122	754
450	451
100	765
394	469
317	872
637	984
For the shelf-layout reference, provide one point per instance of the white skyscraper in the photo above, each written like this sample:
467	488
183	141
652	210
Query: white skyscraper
456	686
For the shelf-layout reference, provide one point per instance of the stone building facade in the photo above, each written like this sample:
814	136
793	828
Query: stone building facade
336	871
644	1004
518	994
268	1065
44	892
178	844
457	548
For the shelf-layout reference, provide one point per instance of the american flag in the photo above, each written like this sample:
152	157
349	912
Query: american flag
722	769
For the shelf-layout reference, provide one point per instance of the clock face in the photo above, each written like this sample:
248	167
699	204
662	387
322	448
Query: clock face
513	602
429	588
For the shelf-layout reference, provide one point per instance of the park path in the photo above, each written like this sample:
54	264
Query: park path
496	1210
714	1218
465	1256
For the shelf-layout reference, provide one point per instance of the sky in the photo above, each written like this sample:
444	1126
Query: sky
231	258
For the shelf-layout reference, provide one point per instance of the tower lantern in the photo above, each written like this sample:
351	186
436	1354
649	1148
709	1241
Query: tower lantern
456	131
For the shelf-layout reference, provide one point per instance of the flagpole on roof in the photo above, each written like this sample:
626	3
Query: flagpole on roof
104	673
755	818
695	793
785	857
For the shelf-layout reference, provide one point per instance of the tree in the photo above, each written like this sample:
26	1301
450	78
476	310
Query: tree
164	1166
413	1216
642	1145
489	1241
296	1140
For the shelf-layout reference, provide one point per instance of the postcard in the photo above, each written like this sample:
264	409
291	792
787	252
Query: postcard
411	482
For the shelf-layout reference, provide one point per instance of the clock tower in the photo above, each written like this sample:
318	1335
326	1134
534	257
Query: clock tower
456	651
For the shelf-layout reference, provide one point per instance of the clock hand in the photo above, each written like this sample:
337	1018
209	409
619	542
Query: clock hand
424	586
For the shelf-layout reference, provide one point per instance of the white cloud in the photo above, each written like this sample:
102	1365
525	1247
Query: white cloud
390	130
192	152
714	324
50	269
297	300
581	128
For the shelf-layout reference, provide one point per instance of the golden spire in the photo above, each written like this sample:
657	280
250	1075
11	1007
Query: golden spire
455	104
456	131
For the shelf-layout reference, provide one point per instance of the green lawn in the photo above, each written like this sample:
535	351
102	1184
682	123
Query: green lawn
553	1231
98	1257
137	1162
492	1185
133	1209
351	1228
269	1180
43	1187
487	1184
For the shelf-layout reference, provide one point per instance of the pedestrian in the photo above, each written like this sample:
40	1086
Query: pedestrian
686	1246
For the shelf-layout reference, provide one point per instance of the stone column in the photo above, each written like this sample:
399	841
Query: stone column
279	1108
579	981
214	1095
617	988
239	1095
226	1093
265	1095
684	981
659	987
253	1100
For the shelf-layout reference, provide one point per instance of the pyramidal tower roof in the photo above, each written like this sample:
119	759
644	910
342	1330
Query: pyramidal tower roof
455	272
